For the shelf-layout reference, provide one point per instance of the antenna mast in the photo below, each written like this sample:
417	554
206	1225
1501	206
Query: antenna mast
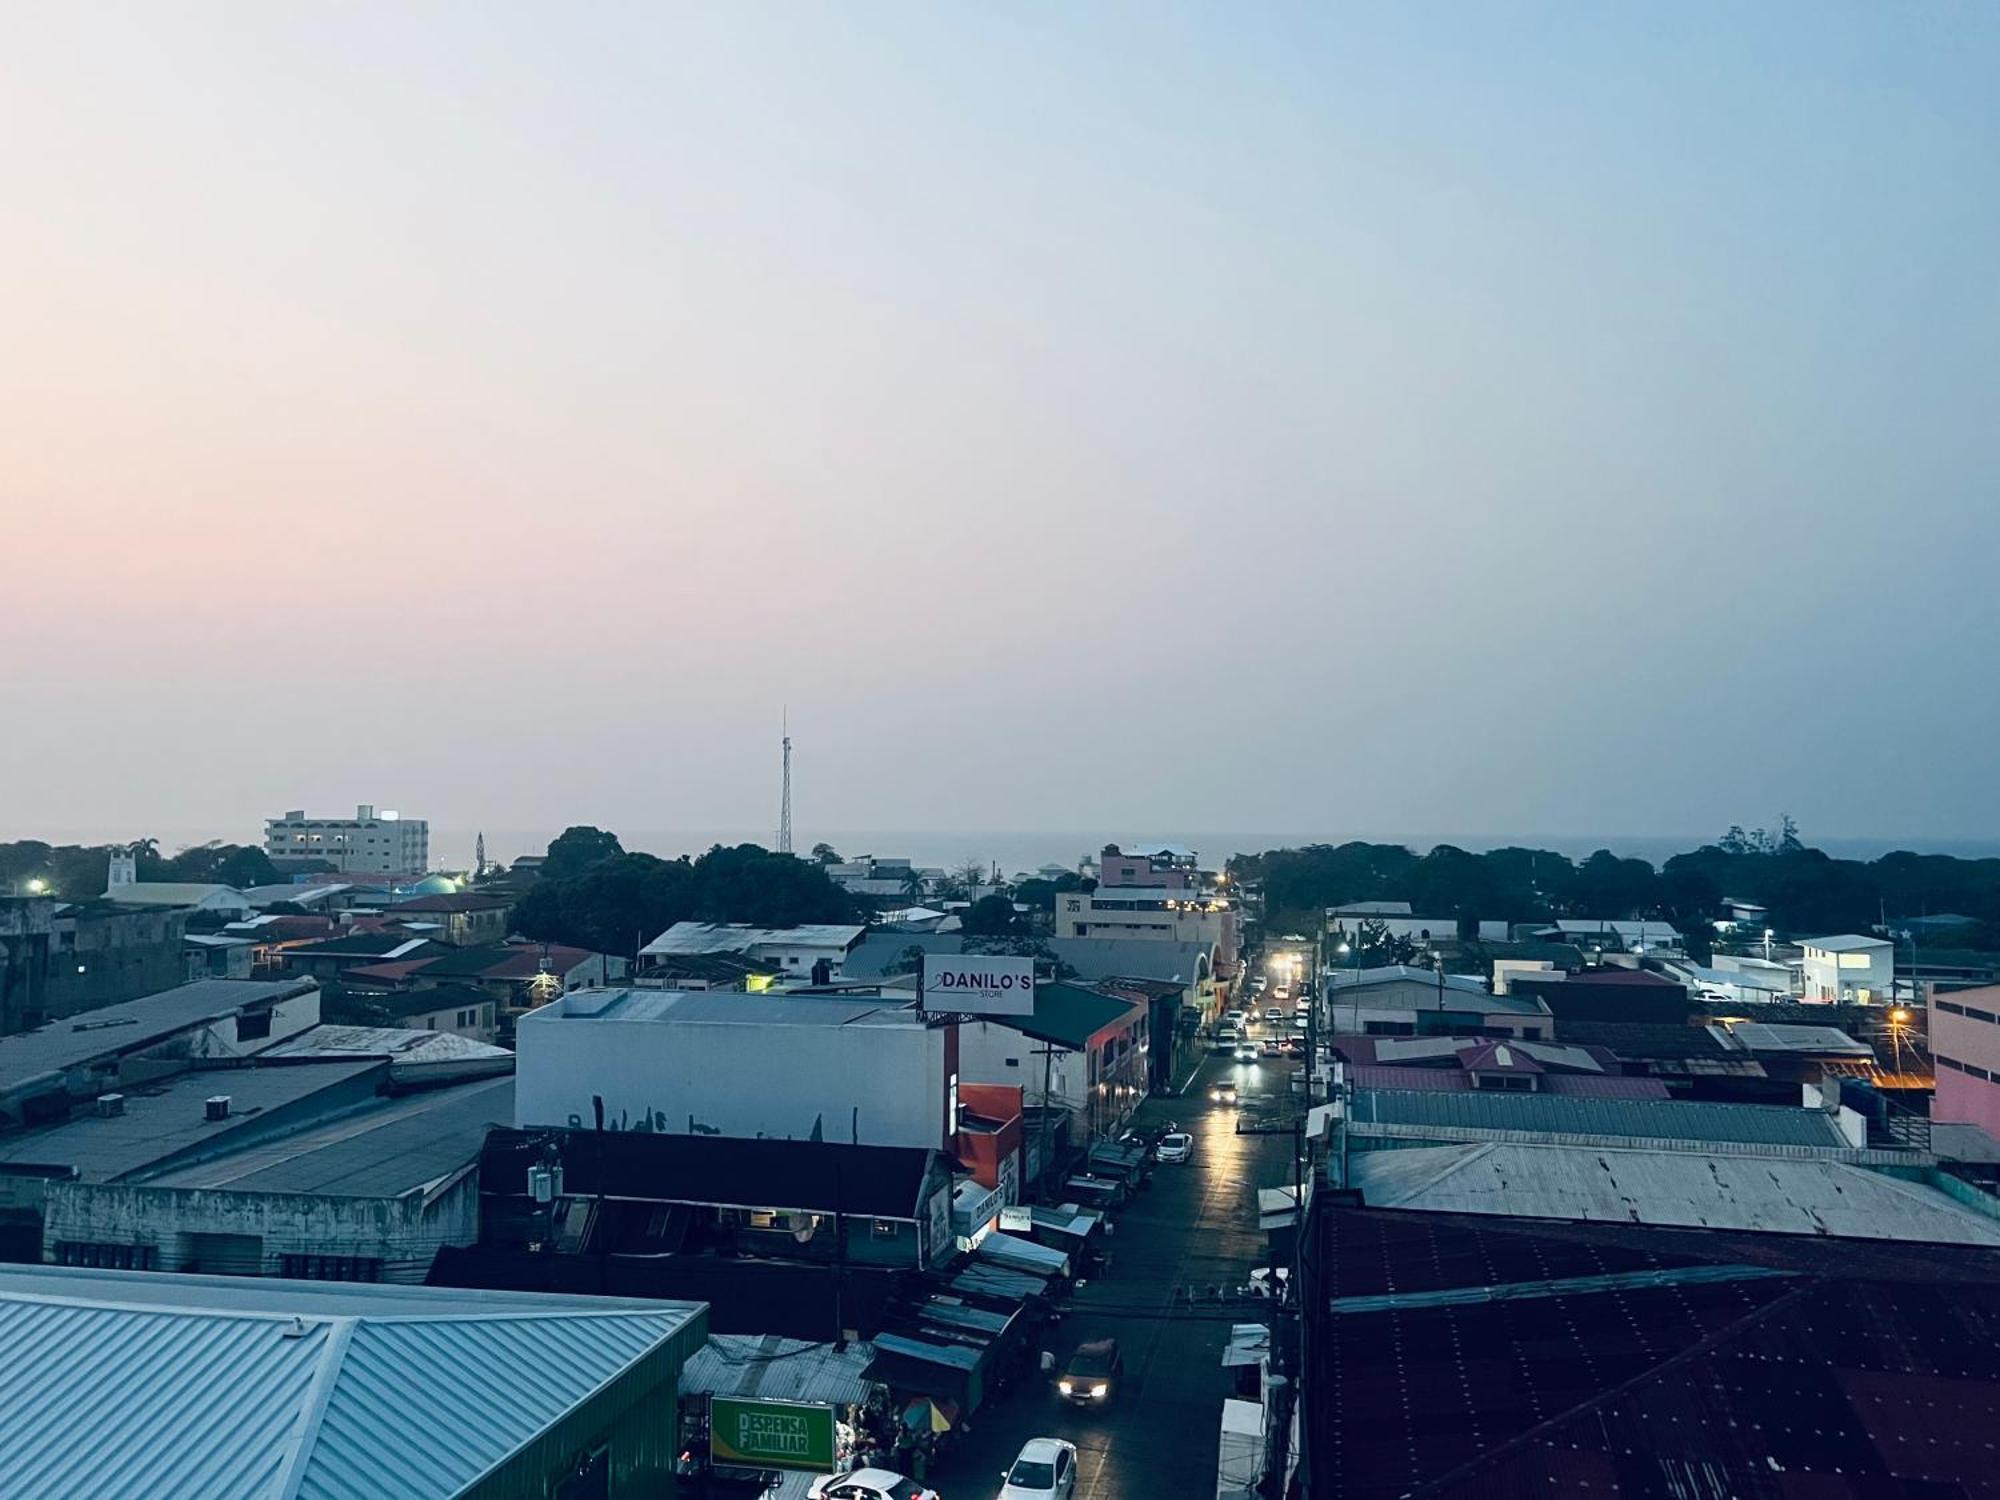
785	806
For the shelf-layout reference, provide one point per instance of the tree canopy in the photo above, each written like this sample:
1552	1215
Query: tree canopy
77	872
1806	890
618	903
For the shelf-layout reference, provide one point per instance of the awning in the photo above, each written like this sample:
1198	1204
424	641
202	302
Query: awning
1249	1344
1277	1208
1022	1255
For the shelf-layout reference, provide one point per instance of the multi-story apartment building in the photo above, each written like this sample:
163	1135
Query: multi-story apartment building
369	843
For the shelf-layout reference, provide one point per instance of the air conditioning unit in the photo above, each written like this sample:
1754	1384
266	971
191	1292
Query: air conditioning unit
110	1105
217	1107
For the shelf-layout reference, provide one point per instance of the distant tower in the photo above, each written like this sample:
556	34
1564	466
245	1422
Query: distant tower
479	858
785	805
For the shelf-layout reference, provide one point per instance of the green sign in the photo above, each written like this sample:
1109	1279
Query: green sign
770	1434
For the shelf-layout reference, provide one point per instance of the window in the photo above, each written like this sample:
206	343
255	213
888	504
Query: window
253	1026
107	1257
885	1229
330	1267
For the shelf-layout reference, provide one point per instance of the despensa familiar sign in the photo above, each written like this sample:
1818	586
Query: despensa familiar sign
771	1434
975	985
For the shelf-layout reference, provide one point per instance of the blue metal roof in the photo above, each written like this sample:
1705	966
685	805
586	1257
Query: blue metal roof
216	1388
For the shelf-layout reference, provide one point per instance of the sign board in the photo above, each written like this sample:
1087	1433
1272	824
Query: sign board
771	1435
973	984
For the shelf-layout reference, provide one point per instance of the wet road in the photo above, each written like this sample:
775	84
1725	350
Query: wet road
1195	1226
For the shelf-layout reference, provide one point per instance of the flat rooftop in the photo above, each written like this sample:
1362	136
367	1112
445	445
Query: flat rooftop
168	1118
127	1027
722	1008
387	1149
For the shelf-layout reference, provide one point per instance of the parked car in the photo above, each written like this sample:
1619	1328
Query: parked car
1295	1046
1091	1377
1045	1470
1257	985
1246	1051
1281	993
1272	1015
869	1484
1274	1046
1223	1093
1234	1017
1176	1145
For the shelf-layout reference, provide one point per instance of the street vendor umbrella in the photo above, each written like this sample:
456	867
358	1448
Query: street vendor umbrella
926	1415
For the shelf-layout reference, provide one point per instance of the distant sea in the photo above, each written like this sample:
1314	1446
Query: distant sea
1014	851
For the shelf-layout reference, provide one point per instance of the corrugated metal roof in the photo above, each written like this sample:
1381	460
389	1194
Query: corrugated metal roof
1095	958
113	1029
1767	1036
1638	1119
726	937
1785	1195
190	1388
392	1147
168	1119
779	1369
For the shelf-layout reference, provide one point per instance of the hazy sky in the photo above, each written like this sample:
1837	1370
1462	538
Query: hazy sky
1411	418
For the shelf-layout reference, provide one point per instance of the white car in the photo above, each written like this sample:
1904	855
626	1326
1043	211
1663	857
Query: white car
1246	1052
1046	1470
1176	1145
869	1484
1272	1015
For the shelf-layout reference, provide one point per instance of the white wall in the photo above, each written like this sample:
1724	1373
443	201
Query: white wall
991	1053
878	1085
1837	977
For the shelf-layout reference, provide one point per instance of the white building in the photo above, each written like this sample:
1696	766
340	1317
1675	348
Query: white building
1399	1000
870	1072
1397	920
1848	969
371	843
792	950
124	885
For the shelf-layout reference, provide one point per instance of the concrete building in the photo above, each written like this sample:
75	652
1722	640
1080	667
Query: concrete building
1082	1051
211	955
368	843
868	1070
1965	1043
359	1189
1397	1000
883	879
221	1387
1848	969
61	958
1153	914
793	950
1161	866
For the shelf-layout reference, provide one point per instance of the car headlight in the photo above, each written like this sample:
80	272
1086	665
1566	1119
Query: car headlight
1067	1389
1100	1389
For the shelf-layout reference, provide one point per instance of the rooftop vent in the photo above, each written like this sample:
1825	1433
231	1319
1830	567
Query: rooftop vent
110	1105
217	1107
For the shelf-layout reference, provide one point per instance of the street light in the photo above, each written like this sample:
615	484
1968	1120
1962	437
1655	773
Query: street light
37	886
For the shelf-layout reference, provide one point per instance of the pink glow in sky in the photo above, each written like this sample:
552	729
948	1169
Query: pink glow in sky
1539	419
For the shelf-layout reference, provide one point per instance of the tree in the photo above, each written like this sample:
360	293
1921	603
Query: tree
913	883
970	875
826	854
576	849
619	903
213	863
991	916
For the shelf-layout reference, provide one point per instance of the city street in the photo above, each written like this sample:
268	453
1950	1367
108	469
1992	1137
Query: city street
1196	1226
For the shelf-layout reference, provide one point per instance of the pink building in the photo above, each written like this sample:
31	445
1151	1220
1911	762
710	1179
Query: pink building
1161	866
1965	1041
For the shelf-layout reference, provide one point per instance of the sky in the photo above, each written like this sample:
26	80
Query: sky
1399	418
